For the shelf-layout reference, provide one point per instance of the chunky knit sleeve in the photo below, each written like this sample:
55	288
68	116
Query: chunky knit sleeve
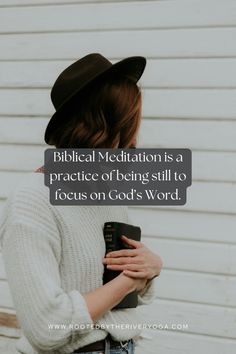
31	251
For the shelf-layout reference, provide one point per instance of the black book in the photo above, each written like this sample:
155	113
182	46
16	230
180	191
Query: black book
112	234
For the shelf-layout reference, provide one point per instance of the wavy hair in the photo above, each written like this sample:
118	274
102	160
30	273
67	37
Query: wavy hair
106	114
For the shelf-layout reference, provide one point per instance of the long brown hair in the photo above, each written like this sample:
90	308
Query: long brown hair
106	114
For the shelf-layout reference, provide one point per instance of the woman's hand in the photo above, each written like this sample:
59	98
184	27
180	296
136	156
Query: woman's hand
138	262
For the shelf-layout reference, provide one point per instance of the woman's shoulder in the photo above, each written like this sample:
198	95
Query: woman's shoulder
31	186
29	197
28	206
28	203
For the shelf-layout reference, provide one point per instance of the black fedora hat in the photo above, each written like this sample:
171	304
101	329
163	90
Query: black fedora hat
82	72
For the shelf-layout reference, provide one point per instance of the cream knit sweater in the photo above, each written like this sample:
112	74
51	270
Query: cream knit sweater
53	255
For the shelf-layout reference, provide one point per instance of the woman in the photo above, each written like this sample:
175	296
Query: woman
54	255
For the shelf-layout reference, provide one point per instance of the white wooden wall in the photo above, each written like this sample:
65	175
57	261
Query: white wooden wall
189	100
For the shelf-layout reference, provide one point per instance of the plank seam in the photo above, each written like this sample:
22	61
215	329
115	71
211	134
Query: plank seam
118	29
76	3
163	57
198	240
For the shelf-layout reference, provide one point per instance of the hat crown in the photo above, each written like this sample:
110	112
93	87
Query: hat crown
82	72
76	76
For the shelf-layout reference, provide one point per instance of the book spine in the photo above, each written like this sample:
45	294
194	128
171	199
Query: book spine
111	236
112	233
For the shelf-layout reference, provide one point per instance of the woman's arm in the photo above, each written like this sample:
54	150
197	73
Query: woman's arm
46	313
110	294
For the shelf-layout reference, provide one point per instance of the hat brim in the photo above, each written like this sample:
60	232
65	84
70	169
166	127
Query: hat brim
131	67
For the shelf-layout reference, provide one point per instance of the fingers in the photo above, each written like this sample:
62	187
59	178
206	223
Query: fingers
133	243
122	253
137	275
127	252
122	260
133	267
